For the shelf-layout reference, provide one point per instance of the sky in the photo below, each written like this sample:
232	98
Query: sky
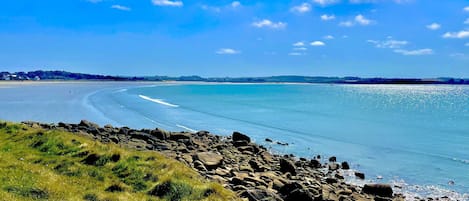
367	38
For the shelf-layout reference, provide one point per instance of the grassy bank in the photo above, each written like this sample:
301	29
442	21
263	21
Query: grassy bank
37	164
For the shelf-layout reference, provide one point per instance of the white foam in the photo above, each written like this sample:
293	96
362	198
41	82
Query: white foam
159	101
120	90
186	128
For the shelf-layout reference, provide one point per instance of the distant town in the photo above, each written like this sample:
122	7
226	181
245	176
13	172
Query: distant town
69	76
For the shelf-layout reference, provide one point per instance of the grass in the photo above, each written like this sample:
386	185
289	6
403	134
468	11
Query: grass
37	164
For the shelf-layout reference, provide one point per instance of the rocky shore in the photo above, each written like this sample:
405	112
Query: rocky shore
248	169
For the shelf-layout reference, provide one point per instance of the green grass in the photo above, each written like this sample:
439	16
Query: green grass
37	164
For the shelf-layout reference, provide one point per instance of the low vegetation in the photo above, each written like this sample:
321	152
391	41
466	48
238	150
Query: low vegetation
38	164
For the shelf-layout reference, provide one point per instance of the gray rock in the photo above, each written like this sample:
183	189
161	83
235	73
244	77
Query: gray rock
209	159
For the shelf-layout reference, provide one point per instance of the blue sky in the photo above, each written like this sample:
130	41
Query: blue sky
385	38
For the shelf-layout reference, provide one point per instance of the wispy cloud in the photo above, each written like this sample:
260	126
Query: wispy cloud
317	43
326	2
327	17
94	1
303	8
434	26
120	7
392	44
300	49
328	37
296	53
227	51
360	19
299	44
467	21
211	8
418	52
467	44
235	4
167	3
459	34
357	20
466	9
269	24
362	1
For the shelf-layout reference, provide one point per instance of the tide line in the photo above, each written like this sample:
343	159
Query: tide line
159	101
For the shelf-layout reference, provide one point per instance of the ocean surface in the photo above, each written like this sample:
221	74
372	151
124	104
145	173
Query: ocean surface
414	136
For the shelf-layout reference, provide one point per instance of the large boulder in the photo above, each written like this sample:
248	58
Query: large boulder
383	190
88	124
260	195
287	166
237	136
295	192
160	133
209	159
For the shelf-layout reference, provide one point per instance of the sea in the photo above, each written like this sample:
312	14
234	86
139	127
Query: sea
415	137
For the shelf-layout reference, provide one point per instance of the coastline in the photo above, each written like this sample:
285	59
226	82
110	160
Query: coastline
66	88
249	169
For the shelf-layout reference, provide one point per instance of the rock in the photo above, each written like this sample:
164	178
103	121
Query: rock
237	136
268	140
360	175
240	143
287	166
345	165
180	136
383	190
331	180
333	159
333	166
199	166
160	134
315	163
296	192
260	195
209	159
88	124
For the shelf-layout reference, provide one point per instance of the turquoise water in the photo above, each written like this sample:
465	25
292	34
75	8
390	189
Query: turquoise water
416	136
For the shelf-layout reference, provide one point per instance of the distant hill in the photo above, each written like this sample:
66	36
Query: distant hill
63	75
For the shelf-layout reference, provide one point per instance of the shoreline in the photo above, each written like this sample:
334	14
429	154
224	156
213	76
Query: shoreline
249	169
42	82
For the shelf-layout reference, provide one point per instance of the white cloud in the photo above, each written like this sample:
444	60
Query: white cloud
362	1
167	3
327	17
329	37
227	51
269	24
434	26
360	19
325	2
300	49
418	52
460	34
347	24
210	8
94	1
120	7
299	44
466	8
303	8
296	53
317	43
235	4
467	21
392	44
